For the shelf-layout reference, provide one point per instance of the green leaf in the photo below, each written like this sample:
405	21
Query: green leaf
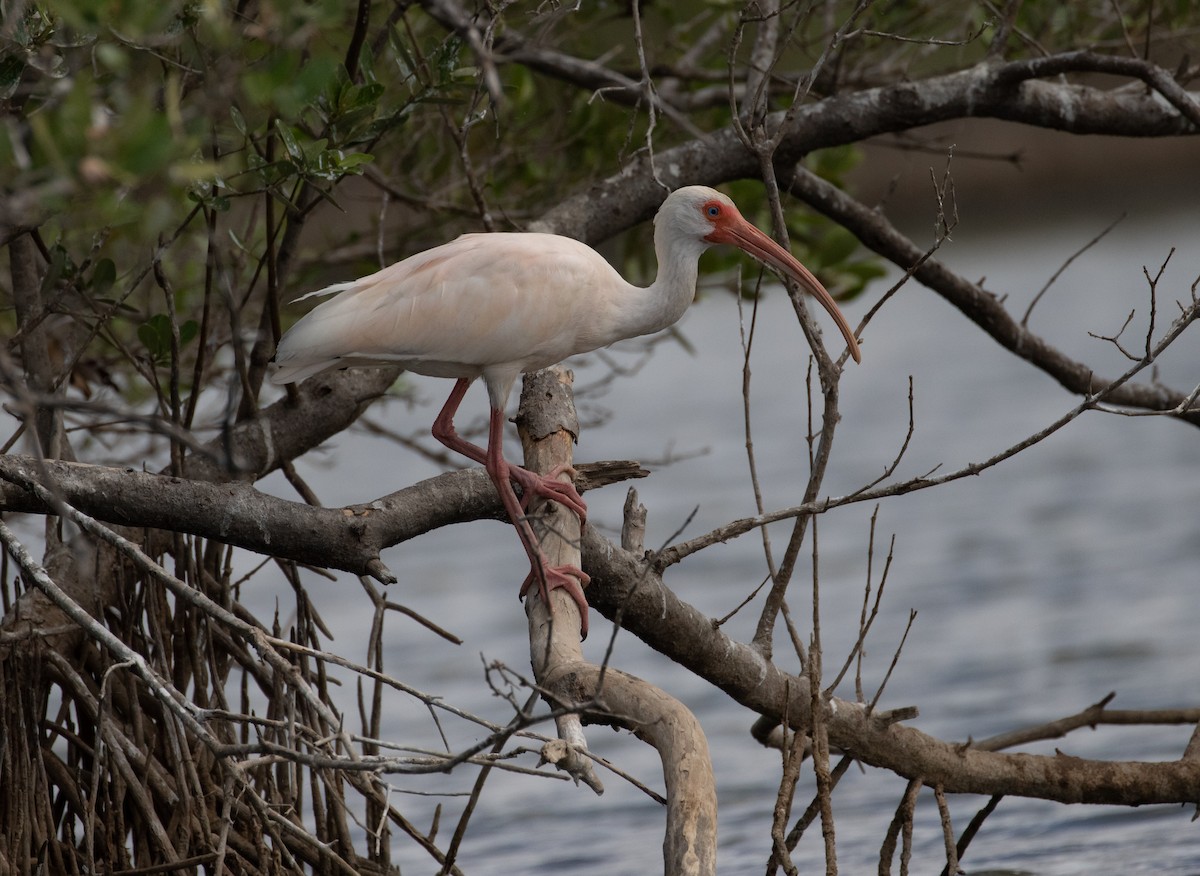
366	95
150	340
835	247
290	143
188	332
353	163
12	66
155	335
103	276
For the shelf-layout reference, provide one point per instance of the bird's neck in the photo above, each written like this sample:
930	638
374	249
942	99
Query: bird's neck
665	300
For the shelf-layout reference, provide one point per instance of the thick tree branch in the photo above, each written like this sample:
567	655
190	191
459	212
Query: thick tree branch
322	408
40	373
236	513
981	307
600	694
1151	74
995	90
246	451
651	611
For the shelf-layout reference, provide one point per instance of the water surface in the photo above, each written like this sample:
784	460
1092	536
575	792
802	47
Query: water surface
1040	586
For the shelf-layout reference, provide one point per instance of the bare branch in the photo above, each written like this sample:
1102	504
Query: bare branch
976	304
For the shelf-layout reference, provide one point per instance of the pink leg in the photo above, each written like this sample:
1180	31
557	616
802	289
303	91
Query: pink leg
503	474
532	485
443	426
547	577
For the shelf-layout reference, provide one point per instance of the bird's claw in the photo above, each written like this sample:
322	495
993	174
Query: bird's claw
548	486
568	578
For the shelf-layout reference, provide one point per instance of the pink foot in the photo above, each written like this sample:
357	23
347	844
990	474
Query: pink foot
548	486
568	578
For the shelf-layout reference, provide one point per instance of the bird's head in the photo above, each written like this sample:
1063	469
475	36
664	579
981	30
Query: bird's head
697	212
704	216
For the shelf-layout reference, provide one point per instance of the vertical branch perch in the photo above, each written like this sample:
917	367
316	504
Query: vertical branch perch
547	425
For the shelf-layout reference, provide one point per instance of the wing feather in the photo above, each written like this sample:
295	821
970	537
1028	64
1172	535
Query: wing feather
482	301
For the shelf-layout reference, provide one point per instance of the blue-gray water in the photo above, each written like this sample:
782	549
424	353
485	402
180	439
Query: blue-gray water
1042	585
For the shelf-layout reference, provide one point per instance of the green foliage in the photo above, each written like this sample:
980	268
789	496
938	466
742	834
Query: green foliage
140	131
136	109
155	335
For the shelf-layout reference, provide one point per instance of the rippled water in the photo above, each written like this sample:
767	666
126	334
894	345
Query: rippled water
1041	586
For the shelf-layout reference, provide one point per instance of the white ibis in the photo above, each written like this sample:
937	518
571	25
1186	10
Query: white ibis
497	305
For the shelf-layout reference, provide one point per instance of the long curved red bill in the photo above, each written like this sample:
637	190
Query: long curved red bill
736	231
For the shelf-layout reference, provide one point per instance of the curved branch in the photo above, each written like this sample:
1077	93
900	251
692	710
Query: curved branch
601	694
1093	62
322	407
652	612
982	308
991	90
349	539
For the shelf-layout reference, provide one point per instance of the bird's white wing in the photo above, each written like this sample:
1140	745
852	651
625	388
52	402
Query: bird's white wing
481	301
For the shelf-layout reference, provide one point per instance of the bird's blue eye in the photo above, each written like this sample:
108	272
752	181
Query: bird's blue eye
714	210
